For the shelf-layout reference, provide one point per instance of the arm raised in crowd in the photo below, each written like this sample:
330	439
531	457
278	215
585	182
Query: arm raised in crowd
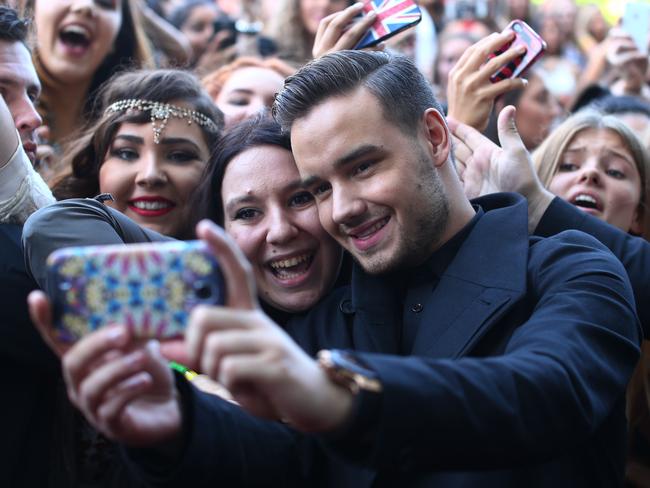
22	190
470	93
336	32
125	390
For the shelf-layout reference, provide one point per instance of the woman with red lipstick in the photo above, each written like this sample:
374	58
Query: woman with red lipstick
595	162
79	45
148	149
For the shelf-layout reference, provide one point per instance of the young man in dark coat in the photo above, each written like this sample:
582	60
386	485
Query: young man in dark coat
463	352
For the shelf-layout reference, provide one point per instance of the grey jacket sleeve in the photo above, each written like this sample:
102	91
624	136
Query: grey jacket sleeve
76	222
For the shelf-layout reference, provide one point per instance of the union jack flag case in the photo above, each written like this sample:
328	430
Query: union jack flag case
393	16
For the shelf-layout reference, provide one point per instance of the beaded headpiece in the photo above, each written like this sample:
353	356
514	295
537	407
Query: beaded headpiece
160	113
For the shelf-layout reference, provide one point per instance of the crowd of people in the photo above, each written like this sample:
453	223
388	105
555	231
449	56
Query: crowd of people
432	278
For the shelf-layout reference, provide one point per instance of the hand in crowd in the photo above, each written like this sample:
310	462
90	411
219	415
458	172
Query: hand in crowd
338	32
241	348
470	93
628	61
486	168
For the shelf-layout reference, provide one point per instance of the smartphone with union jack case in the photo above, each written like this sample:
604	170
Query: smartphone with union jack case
150	288
393	17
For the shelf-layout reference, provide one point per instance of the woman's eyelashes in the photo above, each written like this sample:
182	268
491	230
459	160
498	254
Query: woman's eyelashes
125	153
176	156
301	199
182	155
246	213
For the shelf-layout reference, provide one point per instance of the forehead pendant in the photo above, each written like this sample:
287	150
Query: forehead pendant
160	114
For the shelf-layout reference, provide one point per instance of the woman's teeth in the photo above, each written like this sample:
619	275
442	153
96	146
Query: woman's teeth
151	205
291	267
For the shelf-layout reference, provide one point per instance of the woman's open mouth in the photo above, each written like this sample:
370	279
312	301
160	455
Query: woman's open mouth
76	39
290	269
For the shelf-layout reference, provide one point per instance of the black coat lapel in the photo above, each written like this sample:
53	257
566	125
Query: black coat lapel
485	279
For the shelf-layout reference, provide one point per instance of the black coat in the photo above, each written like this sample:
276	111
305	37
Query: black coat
517	377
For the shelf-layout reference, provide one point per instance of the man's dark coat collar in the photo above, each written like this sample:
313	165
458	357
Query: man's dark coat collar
487	276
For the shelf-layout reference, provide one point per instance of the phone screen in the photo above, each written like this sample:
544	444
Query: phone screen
636	22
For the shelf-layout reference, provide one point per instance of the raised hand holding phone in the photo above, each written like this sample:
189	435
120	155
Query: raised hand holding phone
470	90
524	37
391	18
240	347
339	31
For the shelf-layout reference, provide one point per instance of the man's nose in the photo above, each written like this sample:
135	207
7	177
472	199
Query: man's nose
346	208
26	118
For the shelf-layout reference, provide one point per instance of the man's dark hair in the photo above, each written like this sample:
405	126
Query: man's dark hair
12	27
401	89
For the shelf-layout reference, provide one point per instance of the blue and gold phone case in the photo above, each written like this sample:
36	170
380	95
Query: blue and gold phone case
151	288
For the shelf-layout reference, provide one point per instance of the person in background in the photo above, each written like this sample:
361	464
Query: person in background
80	45
295	24
246	86
195	19
148	148
595	162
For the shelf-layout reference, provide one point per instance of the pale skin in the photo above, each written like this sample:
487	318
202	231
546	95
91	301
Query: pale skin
486	168
470	93
128	393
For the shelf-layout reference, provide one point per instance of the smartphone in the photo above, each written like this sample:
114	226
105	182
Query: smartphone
466	9
393	17
151	288
535	47
225	23
636	22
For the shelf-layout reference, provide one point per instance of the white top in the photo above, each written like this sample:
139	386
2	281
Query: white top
22	190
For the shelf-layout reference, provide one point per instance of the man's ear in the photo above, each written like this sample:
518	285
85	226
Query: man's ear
437	136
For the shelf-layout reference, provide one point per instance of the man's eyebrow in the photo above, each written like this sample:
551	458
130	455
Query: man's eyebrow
351	157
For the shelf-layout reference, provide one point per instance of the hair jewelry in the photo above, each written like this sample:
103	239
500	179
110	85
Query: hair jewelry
160	113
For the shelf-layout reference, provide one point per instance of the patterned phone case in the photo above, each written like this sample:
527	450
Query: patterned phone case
151	288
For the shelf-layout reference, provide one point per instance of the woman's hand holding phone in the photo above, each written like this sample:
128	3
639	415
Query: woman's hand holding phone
470	91
338	31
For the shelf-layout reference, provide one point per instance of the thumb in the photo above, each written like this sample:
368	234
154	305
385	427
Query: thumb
509	137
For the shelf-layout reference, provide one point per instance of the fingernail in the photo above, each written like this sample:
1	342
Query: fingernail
524	81
153	346
372	14
116	334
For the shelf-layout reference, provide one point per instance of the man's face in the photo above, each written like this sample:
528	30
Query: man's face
377	189
20	88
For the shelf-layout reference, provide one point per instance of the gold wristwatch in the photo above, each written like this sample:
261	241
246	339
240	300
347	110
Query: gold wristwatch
346	370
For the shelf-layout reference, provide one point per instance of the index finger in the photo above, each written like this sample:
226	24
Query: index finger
466	134
85	352
237	271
